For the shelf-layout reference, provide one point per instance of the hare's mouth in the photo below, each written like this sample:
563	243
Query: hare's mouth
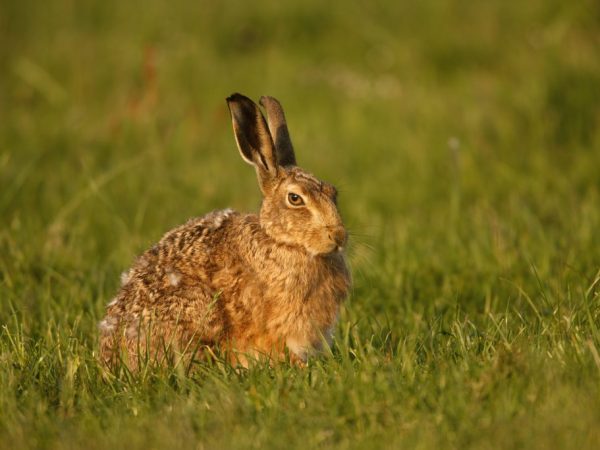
334	249
338	250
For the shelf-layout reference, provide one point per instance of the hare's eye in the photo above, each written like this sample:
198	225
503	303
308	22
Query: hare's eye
295	199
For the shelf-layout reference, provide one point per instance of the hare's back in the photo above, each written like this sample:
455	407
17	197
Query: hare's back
190	247
177	270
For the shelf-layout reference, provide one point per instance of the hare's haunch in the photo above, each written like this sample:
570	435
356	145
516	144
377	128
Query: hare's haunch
250	284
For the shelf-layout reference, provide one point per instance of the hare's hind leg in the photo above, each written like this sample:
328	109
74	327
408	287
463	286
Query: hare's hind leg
178	326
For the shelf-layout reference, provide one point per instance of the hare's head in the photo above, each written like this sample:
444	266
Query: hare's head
297	209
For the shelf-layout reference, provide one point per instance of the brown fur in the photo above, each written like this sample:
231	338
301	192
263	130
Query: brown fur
252	284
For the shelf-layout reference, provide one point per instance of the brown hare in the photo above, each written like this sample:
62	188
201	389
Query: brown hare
252	285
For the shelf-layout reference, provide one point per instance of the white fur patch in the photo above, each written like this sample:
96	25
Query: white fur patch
218	221
174	278
112	302
106	325
217	217
125	277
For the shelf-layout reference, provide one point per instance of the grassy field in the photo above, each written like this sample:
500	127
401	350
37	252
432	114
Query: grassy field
465	140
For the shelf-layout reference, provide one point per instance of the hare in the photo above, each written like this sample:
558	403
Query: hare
252	285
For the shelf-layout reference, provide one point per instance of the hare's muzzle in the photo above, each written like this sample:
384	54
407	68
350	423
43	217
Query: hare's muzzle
339	236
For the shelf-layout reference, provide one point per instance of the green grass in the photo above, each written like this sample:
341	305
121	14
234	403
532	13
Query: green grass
465	140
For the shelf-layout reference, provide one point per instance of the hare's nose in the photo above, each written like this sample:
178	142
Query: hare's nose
339	236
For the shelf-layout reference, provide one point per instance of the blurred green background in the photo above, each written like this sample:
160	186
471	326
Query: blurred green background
464	139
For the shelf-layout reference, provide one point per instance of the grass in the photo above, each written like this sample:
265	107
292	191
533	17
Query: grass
464	138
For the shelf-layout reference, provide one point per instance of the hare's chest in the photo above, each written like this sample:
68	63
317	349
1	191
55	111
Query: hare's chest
310	327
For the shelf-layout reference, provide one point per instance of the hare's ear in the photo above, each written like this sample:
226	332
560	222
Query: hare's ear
279	131
252	137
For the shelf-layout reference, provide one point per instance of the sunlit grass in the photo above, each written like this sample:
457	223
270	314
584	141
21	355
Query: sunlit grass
464	141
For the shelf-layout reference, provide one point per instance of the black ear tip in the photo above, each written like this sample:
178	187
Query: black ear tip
236	97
